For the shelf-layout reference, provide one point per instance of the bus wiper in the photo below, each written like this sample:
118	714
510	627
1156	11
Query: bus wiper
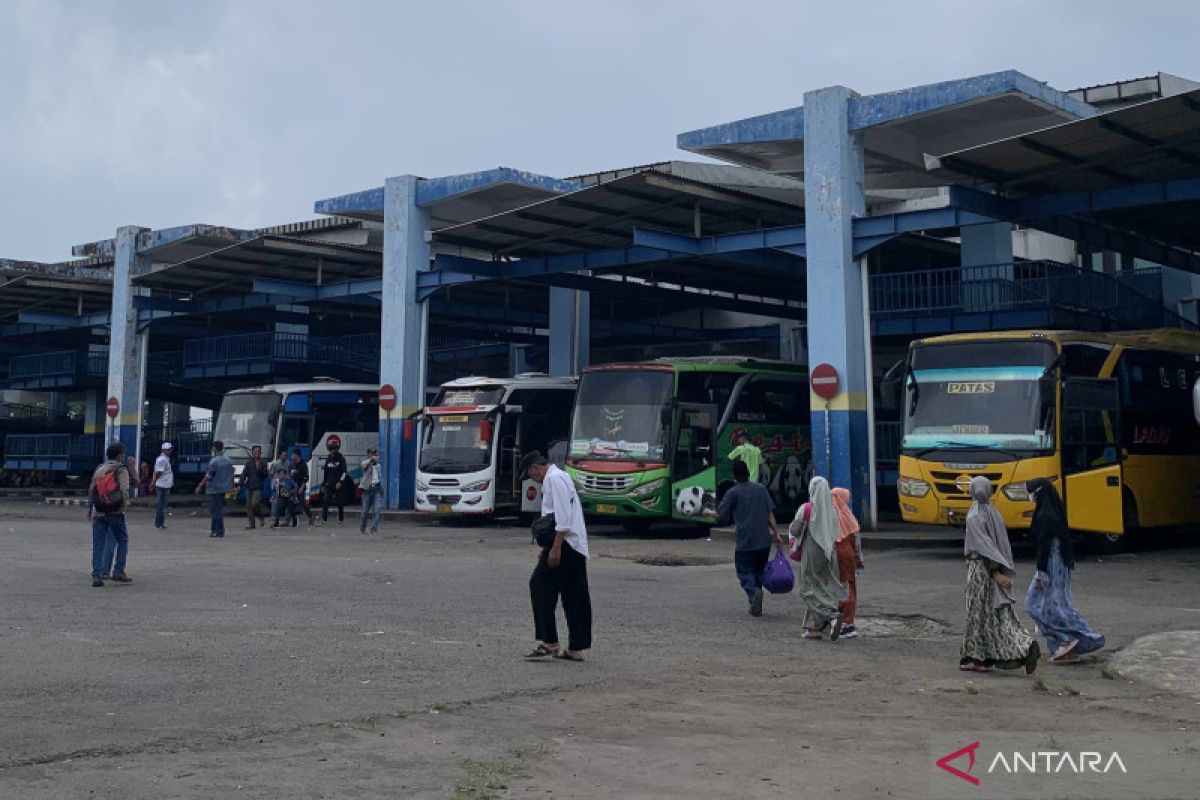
950	446
440	461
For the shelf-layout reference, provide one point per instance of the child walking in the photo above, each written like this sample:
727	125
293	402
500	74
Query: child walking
849	558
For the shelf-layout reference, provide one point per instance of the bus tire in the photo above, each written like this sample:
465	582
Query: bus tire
637	526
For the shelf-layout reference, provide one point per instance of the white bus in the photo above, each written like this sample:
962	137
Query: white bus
475	433
287	416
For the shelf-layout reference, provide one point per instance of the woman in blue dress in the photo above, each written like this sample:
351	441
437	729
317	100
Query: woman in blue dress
1049	600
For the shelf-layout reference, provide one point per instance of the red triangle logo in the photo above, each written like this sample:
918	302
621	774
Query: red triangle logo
969	750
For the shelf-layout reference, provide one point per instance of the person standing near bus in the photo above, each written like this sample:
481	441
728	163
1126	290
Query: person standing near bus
216	483
371	486
333	482
749	453
561	569
849	557
817	579
164	482
254	481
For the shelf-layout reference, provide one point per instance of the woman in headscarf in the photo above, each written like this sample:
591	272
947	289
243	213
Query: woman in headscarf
992	636
818	580
1049	599
849	558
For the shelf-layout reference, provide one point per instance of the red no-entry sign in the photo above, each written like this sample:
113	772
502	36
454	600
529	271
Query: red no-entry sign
387	397
112	407
825	381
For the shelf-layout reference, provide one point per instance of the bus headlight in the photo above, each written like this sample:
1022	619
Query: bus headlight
647	488
912	487
477	486
1016	491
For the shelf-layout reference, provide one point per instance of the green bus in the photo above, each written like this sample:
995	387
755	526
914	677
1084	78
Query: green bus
650	441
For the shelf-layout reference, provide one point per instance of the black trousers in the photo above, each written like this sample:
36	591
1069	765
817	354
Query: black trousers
568	581
329	493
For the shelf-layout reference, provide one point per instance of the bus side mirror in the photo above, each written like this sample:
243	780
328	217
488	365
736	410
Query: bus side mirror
1196	400
891	388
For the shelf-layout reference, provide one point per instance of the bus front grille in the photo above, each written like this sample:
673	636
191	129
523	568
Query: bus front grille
607	484
957	484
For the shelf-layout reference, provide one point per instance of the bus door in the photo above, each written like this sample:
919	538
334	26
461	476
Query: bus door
692	461
1091	455
508	457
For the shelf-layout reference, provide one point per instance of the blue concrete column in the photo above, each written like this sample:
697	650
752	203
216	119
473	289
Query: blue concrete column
987	257
570	331
837	313
126	346
401	363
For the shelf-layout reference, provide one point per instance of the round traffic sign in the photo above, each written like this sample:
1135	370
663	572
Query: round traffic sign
331	440
825	380
113	407
387	397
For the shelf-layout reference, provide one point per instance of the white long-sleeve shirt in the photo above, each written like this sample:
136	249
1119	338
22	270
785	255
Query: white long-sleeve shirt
560	499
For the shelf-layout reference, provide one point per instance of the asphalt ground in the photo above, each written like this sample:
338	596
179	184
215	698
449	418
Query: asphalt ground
318	662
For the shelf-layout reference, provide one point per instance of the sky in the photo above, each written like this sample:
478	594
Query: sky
242	113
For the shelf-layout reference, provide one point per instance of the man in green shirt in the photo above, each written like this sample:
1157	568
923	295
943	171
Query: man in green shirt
750	455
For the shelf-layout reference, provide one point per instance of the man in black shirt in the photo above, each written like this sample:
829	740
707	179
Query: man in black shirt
331	487
254	480
749	506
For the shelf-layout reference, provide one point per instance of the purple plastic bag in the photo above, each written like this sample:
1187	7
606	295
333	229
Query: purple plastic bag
777	576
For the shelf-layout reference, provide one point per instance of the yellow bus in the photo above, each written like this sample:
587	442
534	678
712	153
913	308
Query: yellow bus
1107	416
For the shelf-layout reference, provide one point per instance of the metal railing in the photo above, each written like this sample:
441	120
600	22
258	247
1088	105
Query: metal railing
887	442
354	349
60	363
1130	300
53	445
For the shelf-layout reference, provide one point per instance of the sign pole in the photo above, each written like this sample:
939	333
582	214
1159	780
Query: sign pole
828	443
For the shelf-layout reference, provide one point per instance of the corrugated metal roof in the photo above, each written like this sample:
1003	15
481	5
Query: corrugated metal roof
1158	140
604	215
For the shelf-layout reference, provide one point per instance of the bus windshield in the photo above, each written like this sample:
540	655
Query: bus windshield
455	443
619	414
248	419
980	395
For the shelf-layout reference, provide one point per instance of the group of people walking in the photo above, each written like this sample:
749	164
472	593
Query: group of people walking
284	482
823	537
993	637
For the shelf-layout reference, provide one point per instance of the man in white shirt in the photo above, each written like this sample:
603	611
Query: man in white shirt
561	569
164	481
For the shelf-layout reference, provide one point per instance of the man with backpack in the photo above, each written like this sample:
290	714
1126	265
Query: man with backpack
108	496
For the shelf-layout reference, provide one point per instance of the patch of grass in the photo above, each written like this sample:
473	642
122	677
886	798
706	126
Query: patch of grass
1109	673
1039	685
482	781
1071	690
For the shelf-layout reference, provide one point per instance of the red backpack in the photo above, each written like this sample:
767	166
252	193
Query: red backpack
108	497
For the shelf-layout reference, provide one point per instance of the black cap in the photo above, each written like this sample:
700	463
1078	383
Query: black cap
529	460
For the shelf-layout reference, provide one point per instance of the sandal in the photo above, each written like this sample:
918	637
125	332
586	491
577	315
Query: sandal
811	634
1067	650
565	656
541	651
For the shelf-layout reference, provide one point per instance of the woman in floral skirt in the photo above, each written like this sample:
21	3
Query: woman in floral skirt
992	636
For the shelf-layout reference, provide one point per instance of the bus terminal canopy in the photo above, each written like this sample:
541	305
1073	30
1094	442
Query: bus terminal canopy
1135	169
